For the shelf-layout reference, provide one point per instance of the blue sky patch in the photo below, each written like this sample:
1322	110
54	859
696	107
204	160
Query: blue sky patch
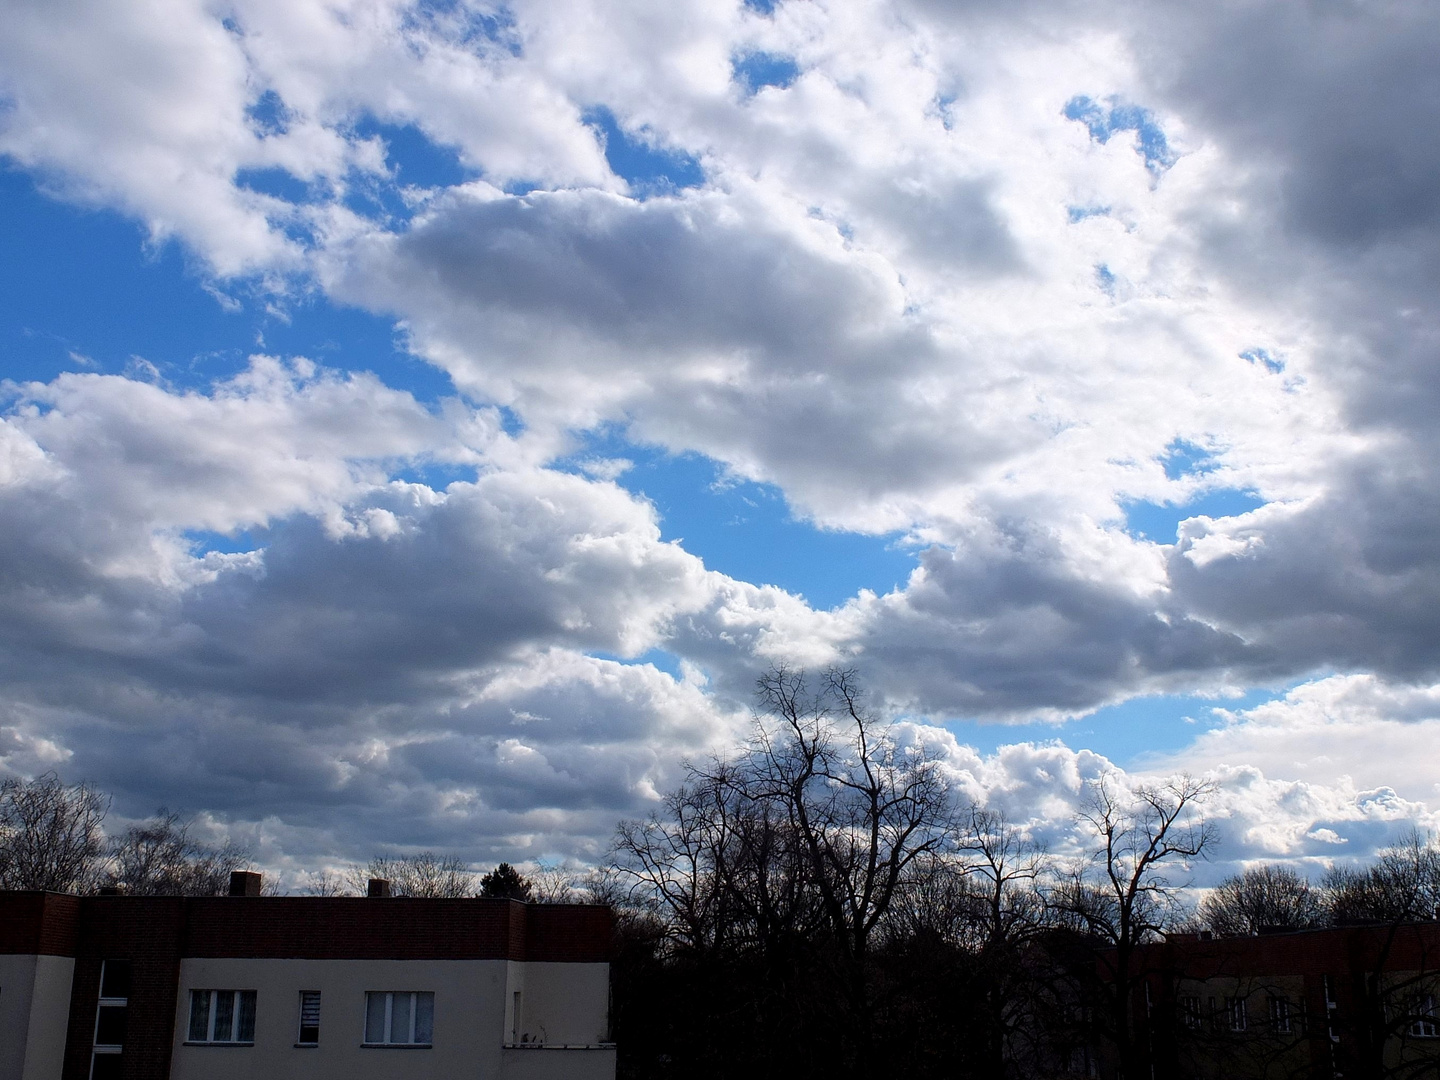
1266	358
1160	524
1124	733
764	7
436	475
268	114
746	530
1183	458
468	26
1077	214
79	292
203	540
760	69
1105	279
660	659
276	182
1115	116
648	169
415	159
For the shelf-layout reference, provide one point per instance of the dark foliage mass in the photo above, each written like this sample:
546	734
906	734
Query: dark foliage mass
506	883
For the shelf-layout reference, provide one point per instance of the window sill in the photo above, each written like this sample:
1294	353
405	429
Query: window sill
187	1042
397	1046
557	1046
307	1046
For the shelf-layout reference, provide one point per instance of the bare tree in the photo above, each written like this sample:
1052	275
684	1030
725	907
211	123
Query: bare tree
1123	894
160	858
1261	897
423	875
1391	1018
774	871
1402	884
327	883
558	885
863	810
1006	910
50	834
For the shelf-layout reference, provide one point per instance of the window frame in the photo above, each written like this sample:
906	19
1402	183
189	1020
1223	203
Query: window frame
1237	1015
1281	1015
113	1001
1192	1012
1423	1023
212	1014
389	1042
300	1025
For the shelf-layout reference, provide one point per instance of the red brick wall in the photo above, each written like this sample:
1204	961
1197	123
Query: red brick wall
562	932
147	931
37	922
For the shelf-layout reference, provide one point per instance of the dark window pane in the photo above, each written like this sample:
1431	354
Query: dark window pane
400	1018
199	1015
309	1016
424	1017
115	979
245	1028
375	1017
105	1067
224	1015
110	1026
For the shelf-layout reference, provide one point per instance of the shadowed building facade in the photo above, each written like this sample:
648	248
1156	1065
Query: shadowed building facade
185	988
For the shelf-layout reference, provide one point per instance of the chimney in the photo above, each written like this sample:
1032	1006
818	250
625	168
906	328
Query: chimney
378	887
244	883
111	890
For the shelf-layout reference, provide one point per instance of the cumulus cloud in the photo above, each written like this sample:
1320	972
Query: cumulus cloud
375	628
991	279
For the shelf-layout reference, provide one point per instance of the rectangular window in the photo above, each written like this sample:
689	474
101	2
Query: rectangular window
399	1018
222	1016
1423	1024
1280	1015
110	1013
309	1018
1235	1010
115	980
1190	1012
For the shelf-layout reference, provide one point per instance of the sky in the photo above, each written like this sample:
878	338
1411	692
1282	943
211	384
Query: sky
421	422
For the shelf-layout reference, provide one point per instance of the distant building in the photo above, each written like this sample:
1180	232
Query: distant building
1346	1002
212	988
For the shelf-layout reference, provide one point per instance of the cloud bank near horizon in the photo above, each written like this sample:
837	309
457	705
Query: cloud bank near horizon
1012	286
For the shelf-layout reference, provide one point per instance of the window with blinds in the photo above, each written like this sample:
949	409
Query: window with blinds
309	1018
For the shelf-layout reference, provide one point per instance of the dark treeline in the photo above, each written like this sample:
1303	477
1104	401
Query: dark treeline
52	837
824	903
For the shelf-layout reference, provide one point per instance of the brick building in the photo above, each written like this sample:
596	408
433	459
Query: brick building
1347	1002
210	988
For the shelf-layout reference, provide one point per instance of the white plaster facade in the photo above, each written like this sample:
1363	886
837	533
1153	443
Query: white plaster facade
34	1015
559	1034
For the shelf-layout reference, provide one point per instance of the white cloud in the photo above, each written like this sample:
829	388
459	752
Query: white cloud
910	292
1355	729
